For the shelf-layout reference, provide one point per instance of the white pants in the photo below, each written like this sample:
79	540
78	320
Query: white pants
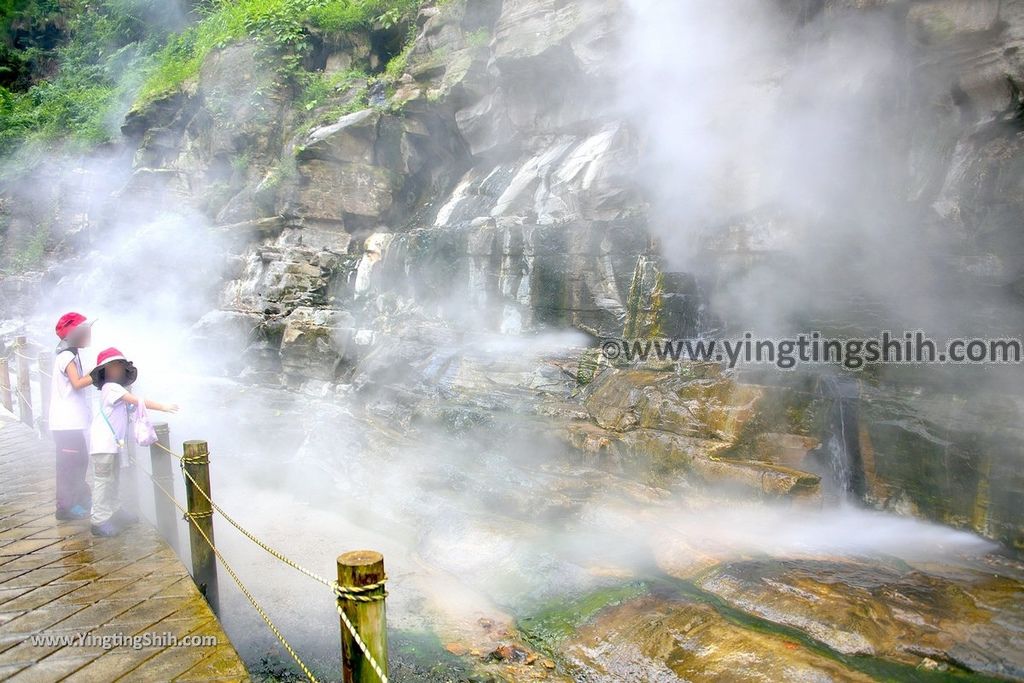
106	469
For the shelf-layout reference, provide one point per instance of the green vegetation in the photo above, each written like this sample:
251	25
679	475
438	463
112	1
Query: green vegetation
71	69
319	88
22	251
312	117
352	14
561	618
18	59
422	656
284	170
479	38
277	24
397	66
31	254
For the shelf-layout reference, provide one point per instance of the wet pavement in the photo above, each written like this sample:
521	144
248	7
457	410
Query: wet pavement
78	608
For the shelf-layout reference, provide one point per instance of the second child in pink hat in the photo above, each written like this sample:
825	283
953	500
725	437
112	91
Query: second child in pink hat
113	375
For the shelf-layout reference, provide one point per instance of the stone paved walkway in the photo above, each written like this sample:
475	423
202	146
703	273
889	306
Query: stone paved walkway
59	583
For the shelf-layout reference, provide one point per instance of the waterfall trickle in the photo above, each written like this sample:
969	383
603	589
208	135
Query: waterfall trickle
839	453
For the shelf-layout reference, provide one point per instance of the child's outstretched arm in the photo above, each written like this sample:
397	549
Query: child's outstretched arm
77	381
152	405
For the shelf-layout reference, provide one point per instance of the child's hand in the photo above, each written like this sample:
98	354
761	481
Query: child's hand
170	407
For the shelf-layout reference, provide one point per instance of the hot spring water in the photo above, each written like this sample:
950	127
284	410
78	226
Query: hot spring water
471	527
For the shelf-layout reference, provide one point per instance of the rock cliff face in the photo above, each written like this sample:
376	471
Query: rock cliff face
490	177
494	183
502	153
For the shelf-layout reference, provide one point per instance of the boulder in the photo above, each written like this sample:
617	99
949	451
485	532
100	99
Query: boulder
946	456
788	450
327	190
702	404
964	617
649	638
314	343
278	277
351	139
372	165
981	198
549	34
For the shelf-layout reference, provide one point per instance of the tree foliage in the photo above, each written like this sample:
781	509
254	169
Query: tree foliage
71	69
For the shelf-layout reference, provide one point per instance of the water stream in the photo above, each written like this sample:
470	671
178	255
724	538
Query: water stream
840	448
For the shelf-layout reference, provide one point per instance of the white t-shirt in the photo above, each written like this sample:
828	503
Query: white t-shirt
69	407
110	424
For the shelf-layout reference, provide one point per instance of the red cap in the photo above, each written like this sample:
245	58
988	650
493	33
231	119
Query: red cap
108	356
67	323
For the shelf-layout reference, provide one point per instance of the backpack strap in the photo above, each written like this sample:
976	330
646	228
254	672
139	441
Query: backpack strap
120	442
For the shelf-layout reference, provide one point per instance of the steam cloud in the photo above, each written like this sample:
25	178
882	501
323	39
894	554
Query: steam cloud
779	156
747	112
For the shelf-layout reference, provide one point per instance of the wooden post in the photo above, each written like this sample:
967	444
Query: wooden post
5	385
196	464
163	474
45	368
359	569
24	382
129	475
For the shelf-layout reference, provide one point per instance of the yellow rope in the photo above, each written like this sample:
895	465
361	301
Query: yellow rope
21	397
245	591
342	593
358	593
29	358
362	646
245	532
167	450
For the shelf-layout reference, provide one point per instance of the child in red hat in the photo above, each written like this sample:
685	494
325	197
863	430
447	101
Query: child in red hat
112	375
70	416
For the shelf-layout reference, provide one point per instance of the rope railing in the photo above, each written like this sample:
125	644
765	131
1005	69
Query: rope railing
352	601
21	396
234	576
245	532
18	365
16	359
372	592
39	369
358	640
32	359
